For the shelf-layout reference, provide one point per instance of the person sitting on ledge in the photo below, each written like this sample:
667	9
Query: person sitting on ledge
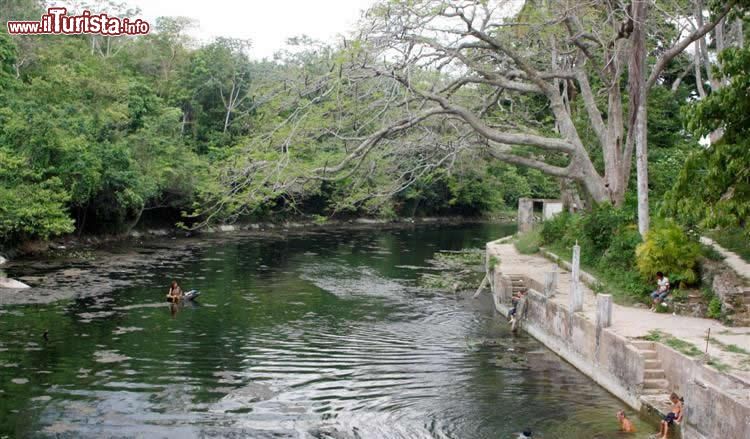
625	425
674	416
662	290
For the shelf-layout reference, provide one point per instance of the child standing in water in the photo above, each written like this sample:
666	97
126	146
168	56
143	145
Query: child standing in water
673	416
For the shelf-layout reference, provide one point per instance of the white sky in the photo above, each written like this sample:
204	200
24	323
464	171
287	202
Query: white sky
268	23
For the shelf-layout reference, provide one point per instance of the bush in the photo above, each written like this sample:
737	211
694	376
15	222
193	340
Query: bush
601	224
714	308
529	242
668	249
621	252
554	229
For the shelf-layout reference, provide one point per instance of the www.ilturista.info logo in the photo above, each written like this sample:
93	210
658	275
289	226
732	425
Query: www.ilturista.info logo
56	21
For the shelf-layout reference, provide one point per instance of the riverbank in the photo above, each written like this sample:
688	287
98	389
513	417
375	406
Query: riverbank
67	244
628	358
83	248
85	267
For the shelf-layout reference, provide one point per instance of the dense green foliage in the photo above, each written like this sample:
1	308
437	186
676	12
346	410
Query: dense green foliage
713	188
608	238
667	248
97	134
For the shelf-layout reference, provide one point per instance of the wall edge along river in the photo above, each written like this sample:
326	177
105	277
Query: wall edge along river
615	363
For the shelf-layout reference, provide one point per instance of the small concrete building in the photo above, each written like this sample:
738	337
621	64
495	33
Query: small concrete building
531	210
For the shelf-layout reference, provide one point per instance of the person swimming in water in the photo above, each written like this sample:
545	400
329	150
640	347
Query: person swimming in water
175	292
625	425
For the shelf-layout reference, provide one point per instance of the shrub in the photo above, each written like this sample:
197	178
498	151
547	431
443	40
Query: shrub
714	308
601	224
529	242
554	229
574	232
621	252
668	249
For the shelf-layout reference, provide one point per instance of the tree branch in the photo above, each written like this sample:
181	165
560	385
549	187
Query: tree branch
685	42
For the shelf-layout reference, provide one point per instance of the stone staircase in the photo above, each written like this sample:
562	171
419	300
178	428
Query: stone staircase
654	380
518	282
743	318
656	387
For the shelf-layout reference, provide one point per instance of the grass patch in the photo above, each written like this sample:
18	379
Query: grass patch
493	262
691	350
528	243
737	350
653	335
626	287
733	239
711	253
718	365
682	346
675	343
733	348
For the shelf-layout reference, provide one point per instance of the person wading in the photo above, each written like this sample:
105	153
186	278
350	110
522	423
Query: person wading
175	292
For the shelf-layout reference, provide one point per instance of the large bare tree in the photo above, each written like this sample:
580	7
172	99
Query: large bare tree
555	85
567	53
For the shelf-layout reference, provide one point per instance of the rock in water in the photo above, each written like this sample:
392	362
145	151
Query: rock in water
2	260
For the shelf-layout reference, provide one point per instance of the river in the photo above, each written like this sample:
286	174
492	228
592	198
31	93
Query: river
312	335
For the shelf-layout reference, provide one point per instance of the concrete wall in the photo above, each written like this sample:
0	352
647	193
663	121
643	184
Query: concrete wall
552	208
602	355
717	405
711	411
526	218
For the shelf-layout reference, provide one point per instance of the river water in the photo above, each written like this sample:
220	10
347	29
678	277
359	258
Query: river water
318	335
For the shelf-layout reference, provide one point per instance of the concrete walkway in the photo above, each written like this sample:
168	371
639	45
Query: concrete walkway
635	322
734	261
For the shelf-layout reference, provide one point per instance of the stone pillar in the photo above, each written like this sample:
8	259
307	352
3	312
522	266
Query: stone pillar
576	293
550	283
525	214
603	310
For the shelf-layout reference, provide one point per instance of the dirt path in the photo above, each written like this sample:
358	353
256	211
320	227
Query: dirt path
734	261
636	322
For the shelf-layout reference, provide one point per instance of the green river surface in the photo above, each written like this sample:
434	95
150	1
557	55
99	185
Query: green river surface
322	334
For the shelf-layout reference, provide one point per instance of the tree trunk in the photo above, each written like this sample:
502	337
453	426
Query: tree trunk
639	113
641	157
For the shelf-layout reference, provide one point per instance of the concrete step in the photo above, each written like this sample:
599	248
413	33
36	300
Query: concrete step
652	392
652	364
649	355
657	401
660	384
643	345
654	374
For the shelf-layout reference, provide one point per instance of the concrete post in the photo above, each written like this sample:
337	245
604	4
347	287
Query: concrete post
576	293
497	283
603	310
550	283
525	214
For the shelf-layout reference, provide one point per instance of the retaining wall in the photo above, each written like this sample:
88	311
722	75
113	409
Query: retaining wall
716	404
602	355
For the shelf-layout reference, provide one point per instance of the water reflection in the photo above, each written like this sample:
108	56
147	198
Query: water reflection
325	335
